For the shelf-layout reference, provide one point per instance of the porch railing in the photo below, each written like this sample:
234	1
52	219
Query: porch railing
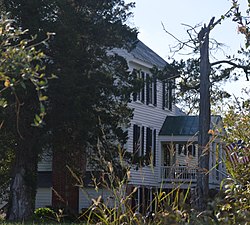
178	173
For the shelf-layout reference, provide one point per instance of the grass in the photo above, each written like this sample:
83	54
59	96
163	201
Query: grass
38	223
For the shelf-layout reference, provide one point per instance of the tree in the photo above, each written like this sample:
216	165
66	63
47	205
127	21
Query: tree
23	86
88	103
237	119
199	43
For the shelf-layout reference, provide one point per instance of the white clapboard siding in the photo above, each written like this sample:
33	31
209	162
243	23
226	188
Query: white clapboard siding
148	116
152	117
145	176
43	197
45	163
86	196
187	160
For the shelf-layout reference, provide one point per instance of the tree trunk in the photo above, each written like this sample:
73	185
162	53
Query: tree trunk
69	165
23	185
204	118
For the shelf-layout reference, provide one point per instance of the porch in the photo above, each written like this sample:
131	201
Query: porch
178	174
178	152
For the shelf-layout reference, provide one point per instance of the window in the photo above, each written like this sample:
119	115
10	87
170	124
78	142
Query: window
148	84
187	149
140	96
150	156
182	149
167	95
168	154
138	142
138	145
191	150
151	90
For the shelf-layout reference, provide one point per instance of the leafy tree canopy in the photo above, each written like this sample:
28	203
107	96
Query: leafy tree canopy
88	102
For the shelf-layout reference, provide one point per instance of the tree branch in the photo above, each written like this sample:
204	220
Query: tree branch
230	63
245	68
183	43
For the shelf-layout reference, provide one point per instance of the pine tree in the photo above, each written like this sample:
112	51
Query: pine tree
88	101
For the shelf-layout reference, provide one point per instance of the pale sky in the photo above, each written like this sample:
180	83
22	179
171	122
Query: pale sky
149	14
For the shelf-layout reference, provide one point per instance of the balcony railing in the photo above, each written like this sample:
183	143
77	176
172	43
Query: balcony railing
178	173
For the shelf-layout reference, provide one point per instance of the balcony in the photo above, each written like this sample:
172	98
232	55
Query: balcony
178	174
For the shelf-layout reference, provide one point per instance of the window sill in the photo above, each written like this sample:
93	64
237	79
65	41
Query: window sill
138	102
151	105
167	109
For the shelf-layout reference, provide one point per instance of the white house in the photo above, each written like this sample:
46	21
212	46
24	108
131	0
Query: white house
159	133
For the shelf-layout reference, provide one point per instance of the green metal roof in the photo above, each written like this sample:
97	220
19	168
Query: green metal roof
185	125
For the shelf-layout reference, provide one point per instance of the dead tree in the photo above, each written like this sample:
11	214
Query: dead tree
204	117
202	40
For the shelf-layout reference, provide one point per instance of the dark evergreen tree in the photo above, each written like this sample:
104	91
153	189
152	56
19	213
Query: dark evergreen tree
88	101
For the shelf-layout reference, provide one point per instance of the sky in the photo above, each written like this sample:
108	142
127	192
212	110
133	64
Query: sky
149	15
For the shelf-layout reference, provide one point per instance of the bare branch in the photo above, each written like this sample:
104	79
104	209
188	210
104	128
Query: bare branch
245	68
230	63
191	28
219	20
183	43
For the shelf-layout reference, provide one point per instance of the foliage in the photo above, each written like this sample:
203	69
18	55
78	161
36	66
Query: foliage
229	206
94	86
221	71
237	120
6	158
242	20
187	86
234	209
21	65
44	214
22	81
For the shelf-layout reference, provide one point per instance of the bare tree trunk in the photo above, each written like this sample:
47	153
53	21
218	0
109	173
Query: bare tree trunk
204	118
23	185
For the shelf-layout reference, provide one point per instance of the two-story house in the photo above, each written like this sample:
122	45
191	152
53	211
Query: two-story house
160	134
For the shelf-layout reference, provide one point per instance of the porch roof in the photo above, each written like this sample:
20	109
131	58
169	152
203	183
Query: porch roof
185	125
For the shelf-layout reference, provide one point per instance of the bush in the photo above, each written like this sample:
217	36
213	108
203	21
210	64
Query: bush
44	215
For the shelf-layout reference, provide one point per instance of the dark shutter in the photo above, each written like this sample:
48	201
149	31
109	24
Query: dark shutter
148	144
163	95
142	141
170	88
154	148
143	87
134	96
135	74
136	142
147	88
155	91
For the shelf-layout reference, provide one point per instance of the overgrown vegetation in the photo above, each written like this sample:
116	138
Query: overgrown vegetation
22	92
93	89
98	87
230	206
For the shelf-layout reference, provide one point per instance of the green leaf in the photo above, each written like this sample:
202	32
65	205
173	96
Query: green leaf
43	98
37	119
3	102
42	108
